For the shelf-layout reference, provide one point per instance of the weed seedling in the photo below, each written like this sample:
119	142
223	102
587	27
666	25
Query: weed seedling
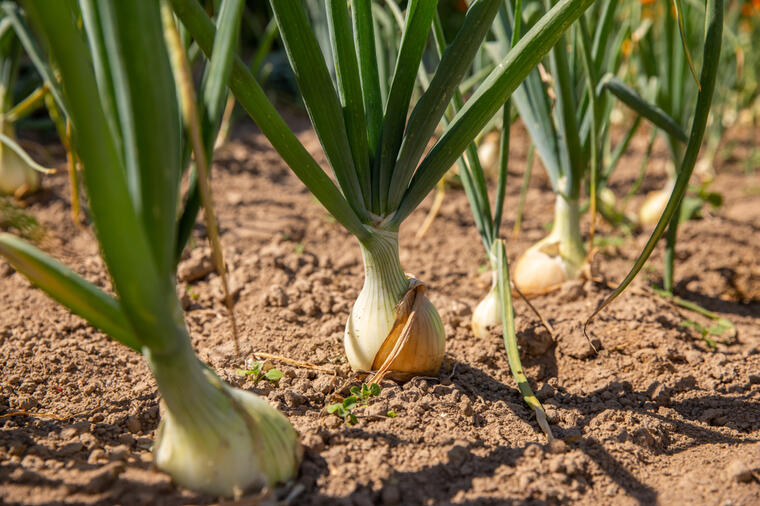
360	396
366	392
601	241
343	409
193	294
716	329
720	324
13	217
260	371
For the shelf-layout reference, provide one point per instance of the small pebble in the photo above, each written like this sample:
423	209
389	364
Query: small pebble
104	479
738	471
391	495
558	446
96	456
133	424
119	452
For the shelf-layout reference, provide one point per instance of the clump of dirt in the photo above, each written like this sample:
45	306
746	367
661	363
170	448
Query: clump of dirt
656	415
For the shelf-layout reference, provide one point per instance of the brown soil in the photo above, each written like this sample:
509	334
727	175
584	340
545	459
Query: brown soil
655	417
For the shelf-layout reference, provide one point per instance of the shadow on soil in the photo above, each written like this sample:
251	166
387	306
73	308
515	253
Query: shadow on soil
441	483
463	466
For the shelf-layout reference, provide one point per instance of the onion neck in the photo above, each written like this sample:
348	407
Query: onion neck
382	267
373	312
190	397
566	230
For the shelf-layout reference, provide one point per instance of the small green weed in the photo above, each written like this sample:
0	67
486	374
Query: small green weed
702	330
192	293
360	396
14	217
602	241
258	371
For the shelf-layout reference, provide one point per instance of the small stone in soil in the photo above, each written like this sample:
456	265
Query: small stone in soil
390	495
133	424
88	440
119	452
558	446
104	479
126	438
196	267
96	456
17	448
738	471
545	392
68	433
571	291
325	384
293	399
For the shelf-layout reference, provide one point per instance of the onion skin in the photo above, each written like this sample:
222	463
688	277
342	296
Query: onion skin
488	152
374	313
537	272
653	206
423	352
556	258
487	314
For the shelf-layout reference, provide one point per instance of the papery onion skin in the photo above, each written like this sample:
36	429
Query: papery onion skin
556	258
374	313
487	314
423	352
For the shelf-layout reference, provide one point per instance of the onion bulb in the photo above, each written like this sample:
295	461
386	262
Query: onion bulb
556	258
654	205
216	439
16	175
392	317
487	313
488	151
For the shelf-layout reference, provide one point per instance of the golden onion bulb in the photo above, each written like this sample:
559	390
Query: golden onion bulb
388	304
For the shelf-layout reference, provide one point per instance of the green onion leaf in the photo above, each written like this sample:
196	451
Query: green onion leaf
70	289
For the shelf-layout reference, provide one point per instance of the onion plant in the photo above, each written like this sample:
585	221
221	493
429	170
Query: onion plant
123	105
568	120
664	59
48	93
19	174
665	64
496	308
711	49
376	148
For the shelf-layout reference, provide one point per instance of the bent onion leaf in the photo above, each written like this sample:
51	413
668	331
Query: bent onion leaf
252	97
499	252
488	98
70	289
654	114
713	39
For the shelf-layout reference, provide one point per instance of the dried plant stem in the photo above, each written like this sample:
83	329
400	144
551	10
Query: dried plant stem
293	362
192	120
